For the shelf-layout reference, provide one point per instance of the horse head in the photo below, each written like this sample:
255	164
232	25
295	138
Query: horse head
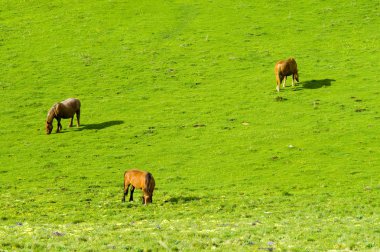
149	199
49	127
296	76
50	117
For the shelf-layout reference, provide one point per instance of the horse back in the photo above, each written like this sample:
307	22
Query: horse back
286	67
68	107
136	178
71	103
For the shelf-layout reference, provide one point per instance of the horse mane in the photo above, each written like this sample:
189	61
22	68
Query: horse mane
148	180
52	113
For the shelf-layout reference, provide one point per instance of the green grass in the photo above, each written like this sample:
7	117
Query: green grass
186	90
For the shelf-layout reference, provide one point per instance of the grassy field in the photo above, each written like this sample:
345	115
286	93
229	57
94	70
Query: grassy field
186	90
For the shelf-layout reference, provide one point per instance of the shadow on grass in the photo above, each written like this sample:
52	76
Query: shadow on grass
99	126
182	199
315	84
280	99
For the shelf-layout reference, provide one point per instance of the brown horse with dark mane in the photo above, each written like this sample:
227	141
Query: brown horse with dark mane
141	180
285	68
65	109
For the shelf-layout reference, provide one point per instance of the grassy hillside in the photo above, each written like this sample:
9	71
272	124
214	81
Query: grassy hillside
186	90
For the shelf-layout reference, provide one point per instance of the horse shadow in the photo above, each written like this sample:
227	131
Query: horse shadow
99	126
182	199
315	84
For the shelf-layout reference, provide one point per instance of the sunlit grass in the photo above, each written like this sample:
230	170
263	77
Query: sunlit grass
186	90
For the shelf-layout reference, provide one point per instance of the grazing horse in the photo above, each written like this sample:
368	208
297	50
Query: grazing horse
285	68
65	109
141	180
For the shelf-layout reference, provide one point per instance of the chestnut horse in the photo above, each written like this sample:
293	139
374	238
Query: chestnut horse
141	180
285	68
65	109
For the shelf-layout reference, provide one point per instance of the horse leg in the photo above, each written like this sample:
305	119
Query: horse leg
71	121
284	83
126	188
293	80
59	126
131	196
278	82
78	116
145	196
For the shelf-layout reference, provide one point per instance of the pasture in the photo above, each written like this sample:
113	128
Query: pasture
186	90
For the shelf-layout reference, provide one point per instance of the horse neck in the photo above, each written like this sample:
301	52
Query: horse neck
51	114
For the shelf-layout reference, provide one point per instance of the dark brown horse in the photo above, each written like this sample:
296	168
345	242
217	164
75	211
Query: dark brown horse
141	180
65	109
285	68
